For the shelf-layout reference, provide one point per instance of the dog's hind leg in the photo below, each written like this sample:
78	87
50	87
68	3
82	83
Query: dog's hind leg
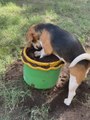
73	85
77	75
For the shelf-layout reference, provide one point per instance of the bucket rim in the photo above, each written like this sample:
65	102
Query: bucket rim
39	63
53	65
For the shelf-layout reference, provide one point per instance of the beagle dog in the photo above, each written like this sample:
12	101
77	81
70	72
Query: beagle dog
65	46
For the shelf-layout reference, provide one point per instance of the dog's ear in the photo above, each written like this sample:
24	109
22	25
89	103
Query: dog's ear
46	42
29	35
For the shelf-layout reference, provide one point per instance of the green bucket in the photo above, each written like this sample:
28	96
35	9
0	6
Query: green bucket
40	75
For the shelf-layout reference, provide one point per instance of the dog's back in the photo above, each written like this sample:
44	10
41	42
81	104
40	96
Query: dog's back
63	43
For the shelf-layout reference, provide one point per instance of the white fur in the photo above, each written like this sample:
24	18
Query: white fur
37	53
37	44
73	85
84	56
40	53
87	72
41	43
59	57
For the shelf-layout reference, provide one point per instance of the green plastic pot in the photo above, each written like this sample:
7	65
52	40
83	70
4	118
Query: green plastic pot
37	74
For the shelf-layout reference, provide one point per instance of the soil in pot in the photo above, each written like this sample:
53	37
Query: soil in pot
50	58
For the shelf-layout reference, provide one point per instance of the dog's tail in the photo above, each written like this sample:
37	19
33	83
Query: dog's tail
84	56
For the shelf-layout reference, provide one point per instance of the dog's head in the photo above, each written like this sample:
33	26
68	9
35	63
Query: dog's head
39	36
33	37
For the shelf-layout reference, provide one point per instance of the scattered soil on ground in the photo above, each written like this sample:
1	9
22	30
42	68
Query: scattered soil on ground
14	71
78	110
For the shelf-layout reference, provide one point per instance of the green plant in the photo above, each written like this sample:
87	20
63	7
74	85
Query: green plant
39	113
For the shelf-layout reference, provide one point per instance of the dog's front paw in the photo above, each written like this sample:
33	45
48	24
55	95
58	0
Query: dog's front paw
67	101
37	53
40	53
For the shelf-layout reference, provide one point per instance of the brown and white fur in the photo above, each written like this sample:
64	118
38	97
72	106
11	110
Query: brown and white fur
51	39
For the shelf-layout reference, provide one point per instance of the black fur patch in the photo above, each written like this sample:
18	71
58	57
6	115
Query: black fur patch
63	43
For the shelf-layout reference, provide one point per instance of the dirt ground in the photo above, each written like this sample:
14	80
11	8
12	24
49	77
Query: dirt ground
80	107
78	110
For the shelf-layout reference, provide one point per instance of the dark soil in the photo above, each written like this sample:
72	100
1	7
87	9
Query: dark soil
46	59
78	110
14	71
50	58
